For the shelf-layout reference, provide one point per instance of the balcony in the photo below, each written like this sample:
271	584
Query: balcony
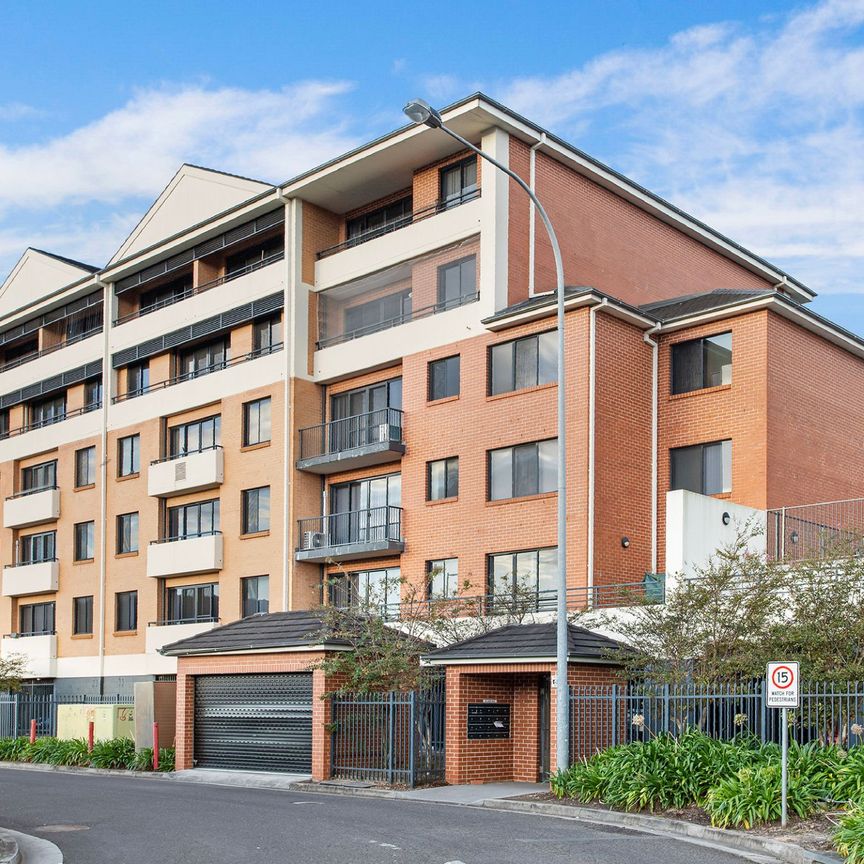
41	577
371	533
39	651
185	556
353	442
32	507
189	472
160	633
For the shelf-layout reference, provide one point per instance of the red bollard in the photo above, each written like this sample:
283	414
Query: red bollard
33	731
90	733
155	746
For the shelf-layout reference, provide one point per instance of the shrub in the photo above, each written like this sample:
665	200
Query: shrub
115	753
849	782
72	752
849	836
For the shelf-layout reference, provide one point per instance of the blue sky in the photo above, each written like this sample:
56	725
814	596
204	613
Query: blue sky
750	116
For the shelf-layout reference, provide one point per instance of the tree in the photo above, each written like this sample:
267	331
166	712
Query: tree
12	670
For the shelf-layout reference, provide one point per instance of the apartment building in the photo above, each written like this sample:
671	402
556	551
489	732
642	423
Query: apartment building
343	389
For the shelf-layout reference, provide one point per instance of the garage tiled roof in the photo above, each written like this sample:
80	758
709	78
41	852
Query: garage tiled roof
525	642
707	301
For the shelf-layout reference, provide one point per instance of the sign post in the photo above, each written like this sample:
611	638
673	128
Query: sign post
781	691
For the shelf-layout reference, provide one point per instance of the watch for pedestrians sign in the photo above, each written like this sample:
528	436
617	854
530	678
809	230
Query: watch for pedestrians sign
781	685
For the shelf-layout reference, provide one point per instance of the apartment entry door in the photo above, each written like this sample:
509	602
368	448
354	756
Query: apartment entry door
543	729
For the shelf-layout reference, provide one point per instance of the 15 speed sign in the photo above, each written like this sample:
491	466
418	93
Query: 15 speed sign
781	685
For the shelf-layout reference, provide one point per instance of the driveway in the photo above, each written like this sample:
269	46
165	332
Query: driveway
116	820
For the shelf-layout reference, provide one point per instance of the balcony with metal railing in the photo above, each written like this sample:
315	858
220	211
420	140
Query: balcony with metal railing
373	438
189	471
185	555
373	532
31	577
816	531
32	507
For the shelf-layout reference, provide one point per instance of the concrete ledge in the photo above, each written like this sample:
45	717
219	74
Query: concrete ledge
733	840
29	849
9	853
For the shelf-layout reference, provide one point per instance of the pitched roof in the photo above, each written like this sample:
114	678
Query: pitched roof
71	261
706	301
527	642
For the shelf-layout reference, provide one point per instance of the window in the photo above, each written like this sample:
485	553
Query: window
85	541
444	378
41	476
371	421
93	394
193	520
21	351
36	619
256	510
34	548
125	611
256	422
442	479
442	578
523	363
4	423
202	359
195	436
362	511
528	576
127	533
257	256
365	400
256	595
457	283
379	221
137	378
526	469
267	335
379	314
190	603
82	323
366	589
85	467
82	617
165	295
128	455
459	182
704	468
48	411
702	363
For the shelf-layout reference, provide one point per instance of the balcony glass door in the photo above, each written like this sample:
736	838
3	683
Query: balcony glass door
360	417
360	510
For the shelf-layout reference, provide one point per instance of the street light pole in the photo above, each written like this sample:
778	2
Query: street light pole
421	112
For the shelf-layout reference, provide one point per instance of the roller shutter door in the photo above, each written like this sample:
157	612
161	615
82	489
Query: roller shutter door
254	722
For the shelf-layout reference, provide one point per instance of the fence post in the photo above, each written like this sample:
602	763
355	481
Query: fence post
155	746
15	715
392	737
614	715
666	708
763	712
412	702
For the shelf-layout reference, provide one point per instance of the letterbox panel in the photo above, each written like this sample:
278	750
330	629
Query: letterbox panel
487	720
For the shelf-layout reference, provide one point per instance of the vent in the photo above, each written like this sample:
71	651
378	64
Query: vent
179	471
52	384
51	317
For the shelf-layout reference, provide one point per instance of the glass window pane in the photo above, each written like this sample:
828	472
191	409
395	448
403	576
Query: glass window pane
526	571
501	358
686	468
453	477
712	455
548	455
526	363
526	470
502	574
547	573
717	360
687	366
547	371
727	465
437	476
501	474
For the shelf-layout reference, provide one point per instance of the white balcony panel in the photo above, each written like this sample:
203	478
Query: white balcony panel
33	509
26	579
53	363
419	238
52	436
39	653
164	634
185	557
192	473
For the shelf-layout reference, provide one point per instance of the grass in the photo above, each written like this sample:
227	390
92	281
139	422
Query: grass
116	753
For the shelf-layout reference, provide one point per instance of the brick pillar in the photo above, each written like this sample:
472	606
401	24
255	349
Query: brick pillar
455	726
185	744
321	717
525	728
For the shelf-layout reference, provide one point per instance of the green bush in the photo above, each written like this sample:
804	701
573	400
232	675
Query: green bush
849	836
13	749
849	783
115	753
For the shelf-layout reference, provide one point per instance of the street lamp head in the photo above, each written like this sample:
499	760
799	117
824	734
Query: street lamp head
420	111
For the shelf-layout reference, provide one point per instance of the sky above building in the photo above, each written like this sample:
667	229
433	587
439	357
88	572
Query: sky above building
748	115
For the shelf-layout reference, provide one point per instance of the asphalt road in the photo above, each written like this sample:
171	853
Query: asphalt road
115	820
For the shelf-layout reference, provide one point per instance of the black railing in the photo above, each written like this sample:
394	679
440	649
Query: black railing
37	561
35	491
197	619
185	454
26	634
401	222
35	355
372	525
50	421
199	289
190	536
349	433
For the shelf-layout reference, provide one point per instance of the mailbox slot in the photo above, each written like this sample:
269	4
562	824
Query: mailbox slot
488	720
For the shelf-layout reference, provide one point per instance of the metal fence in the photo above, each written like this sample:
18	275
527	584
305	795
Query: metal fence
392	738
816	531
606	715
17	710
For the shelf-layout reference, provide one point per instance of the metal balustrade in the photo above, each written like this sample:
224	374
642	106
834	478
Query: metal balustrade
381	427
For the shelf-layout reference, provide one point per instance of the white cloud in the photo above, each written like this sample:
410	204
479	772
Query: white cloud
12	111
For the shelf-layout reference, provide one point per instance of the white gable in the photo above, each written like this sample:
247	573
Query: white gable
36	275
194	195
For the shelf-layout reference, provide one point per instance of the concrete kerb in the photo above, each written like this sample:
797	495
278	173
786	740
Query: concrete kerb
28	849
9	852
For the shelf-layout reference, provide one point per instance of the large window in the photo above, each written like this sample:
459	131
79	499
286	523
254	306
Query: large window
256	510
526	469
202	359
137	378
379	221
34	548
93	394
165	295
523	363
36	618
128	455
193	520
85	467
85	541
528	576
125	611
457	283
444	378
256	422
378	314
267	335
364	400
257	256
703	468
82	615
367	589
702	363
442	479
127	533
48	411
442	577
256	595
361	510
195	436
191	603
459	182
41	476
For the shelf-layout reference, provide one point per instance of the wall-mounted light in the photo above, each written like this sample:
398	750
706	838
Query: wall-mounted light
726	518
625	542
794	536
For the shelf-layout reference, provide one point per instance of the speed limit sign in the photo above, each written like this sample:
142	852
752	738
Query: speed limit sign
781	685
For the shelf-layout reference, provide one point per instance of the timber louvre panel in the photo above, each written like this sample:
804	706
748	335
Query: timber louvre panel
254	722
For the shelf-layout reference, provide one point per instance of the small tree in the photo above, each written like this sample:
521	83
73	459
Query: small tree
12	670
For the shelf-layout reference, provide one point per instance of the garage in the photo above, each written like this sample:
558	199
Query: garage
254	722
